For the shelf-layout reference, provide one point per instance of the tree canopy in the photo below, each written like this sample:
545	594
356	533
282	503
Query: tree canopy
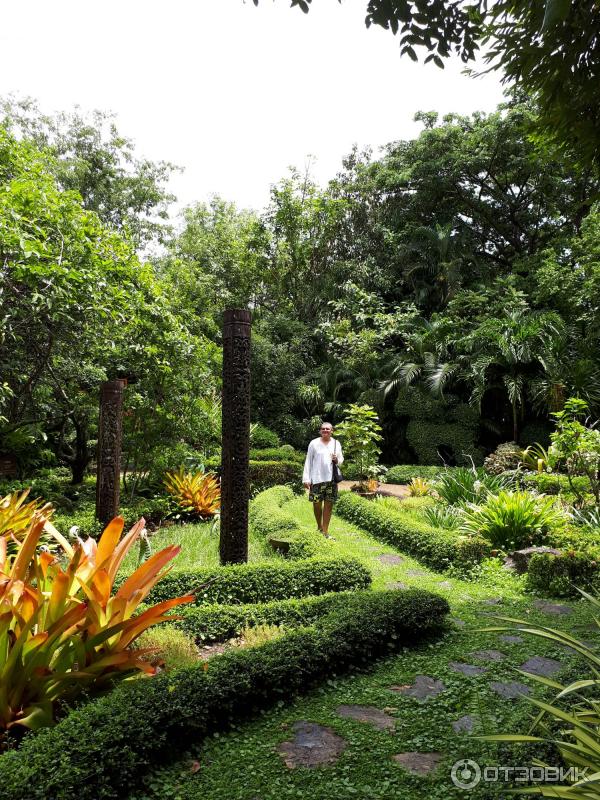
549	49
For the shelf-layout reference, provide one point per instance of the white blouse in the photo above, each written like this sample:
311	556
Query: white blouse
318	467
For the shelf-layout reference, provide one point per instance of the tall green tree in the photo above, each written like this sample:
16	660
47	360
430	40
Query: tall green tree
91	157
548	49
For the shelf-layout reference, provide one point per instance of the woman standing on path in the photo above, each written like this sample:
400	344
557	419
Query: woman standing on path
321	455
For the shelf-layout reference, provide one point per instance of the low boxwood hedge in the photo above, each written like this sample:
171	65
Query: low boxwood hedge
284	453
267	515
559	575
554	483
433	546
103	749
404	473
260	583
216	623
269	519
264	474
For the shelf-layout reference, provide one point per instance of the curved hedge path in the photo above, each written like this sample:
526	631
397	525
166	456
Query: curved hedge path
395	730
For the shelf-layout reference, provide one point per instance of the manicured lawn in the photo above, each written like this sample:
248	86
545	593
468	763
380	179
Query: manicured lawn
199	547
245	764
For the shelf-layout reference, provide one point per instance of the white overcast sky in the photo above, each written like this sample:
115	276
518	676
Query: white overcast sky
233	93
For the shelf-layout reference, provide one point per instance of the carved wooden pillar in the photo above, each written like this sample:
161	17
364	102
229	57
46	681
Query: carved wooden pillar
235	437
110	429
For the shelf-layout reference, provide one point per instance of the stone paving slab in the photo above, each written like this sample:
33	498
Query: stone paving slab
552	608
313	746
488	655
539	665
418	763
510	690
390	558
369	714
511	638
467	669
465	724
423	688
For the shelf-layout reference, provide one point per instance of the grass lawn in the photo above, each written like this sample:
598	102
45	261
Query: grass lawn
244	763
199	547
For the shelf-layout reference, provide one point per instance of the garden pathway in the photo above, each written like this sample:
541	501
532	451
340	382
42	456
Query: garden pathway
385	489
395	730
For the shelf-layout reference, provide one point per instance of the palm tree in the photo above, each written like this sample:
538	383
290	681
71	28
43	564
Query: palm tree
511	352
426	358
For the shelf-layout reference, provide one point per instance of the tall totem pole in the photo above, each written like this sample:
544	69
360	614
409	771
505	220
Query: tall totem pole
235	437
110	432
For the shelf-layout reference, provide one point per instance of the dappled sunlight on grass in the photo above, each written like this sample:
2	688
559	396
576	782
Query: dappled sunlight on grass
199	547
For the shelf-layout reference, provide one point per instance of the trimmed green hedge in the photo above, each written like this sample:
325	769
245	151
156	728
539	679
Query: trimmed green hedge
264	474
261	436
266	513
216	623
260	583
283	453
558	576
433	546
404	473
103	749
269	519
427	438
554	482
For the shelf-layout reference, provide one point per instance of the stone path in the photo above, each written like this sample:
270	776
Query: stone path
418	763
369	714
312	746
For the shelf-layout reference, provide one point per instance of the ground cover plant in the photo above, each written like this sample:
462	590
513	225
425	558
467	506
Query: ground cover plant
366	767
195	701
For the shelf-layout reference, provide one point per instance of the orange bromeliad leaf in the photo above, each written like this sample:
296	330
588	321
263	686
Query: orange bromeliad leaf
61	628
196	492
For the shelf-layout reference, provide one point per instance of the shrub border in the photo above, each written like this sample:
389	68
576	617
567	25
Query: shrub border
102	750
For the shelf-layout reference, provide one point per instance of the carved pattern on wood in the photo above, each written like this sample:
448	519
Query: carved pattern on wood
110	431
235	437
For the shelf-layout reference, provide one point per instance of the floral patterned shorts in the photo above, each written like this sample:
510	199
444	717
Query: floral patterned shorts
327	491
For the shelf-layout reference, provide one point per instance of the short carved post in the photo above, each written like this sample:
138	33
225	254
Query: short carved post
235	437
110	429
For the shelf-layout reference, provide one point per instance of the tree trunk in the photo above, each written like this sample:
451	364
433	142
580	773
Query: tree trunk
82	455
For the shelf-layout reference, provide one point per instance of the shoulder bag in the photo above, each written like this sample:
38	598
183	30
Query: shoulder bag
337	472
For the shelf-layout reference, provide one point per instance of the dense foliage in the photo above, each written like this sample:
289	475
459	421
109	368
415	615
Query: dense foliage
450	284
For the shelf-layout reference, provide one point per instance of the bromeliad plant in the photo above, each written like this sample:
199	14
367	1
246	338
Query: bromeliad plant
196	493
16	515
61	627
571	722
419	487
